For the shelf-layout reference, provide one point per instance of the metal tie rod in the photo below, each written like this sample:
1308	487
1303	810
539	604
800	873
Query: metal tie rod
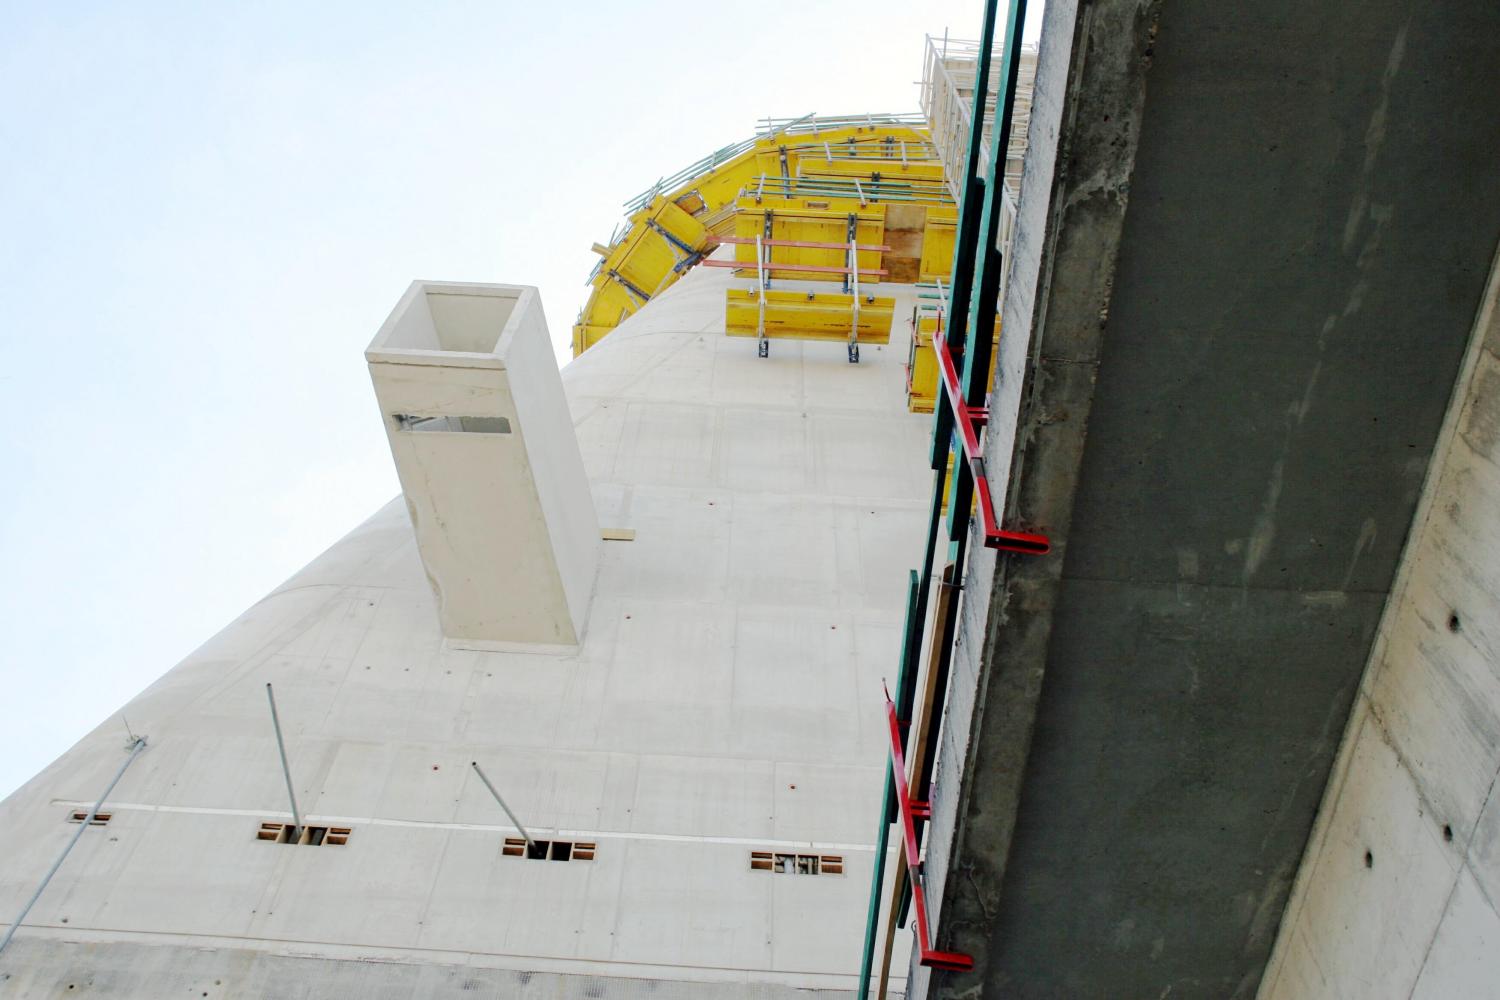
285	770
479	771
135	749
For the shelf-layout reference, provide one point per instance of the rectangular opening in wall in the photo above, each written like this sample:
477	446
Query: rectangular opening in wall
796	864
307	836
276	833
79	815
414	423
548	850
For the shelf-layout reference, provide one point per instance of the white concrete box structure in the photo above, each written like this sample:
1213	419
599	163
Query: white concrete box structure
478	424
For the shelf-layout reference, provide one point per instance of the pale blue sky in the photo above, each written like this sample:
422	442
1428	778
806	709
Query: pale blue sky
206	210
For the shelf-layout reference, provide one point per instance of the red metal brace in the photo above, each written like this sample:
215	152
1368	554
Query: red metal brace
969	419
910	810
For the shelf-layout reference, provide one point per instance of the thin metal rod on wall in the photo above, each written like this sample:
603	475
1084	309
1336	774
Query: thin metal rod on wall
285	769
135	749
479	771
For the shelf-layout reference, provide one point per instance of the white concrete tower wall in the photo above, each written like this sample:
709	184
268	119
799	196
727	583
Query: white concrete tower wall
726	698
1397	893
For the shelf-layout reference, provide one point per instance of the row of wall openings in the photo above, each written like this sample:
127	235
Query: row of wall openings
796	864
548	850
79	815
313	836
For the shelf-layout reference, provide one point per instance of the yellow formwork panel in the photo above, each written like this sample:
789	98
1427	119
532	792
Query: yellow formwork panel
869	169
586	335
808	315
708	199
793	222
637	267
648	254
922	369
922	366
937	243
610	304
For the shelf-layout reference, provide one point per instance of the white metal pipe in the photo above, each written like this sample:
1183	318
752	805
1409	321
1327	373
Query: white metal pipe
479	771
285	769
135	749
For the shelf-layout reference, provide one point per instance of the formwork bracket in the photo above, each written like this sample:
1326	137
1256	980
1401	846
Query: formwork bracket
910	811
967	421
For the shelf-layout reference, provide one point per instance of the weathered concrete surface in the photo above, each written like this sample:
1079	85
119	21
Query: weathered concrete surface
1265	237
1397	895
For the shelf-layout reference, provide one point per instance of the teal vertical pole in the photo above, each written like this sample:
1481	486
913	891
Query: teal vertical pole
966	238
877	884
906	686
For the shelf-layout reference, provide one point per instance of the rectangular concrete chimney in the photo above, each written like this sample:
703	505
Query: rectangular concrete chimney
474	410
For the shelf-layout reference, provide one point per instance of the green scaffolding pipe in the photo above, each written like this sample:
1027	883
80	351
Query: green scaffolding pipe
976	270
906	686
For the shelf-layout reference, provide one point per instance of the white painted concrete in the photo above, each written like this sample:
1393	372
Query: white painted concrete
474	411
1397	894
725	696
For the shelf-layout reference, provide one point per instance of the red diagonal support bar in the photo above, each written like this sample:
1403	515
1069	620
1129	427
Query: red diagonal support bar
968	420
951	960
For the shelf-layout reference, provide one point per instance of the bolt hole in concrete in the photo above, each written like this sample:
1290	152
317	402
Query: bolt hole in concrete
1453	623
1369	860
1447	833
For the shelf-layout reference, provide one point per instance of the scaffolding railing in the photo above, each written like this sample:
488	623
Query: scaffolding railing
866	192
948	104
811	125
963	346
948	69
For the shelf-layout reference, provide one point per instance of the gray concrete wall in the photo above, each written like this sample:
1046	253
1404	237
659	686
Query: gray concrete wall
1243	307
1397	894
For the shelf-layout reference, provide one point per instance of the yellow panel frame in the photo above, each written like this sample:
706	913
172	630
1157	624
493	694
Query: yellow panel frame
922	367
808	316
641	264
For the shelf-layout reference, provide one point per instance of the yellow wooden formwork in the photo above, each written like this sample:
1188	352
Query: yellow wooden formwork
922	366
939	229
662	240
794	221
791	315
640	263
872	169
